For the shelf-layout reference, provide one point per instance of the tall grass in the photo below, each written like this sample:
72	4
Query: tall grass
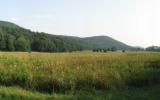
62	72
144	93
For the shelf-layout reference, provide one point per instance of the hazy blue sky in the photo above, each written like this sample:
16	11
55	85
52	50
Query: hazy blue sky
135	22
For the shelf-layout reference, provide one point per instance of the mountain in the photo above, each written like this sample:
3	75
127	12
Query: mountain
8	24
106	42
16	38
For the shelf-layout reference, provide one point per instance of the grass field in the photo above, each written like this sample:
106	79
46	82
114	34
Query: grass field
80	76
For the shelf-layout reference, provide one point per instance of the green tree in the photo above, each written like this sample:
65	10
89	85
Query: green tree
11	43
2	42
44	45
22	44
113	49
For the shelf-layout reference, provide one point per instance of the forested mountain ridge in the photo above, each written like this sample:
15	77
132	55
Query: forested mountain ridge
8	24
106	42
16	38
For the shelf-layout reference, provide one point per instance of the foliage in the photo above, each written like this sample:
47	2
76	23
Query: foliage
22	44
153	48
15	38
11	43
19	39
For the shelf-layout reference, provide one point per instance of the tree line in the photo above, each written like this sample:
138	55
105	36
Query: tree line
153	48
104	50
19	39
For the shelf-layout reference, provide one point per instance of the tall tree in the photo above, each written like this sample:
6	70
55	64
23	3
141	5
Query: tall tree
2	42
22	44
11	43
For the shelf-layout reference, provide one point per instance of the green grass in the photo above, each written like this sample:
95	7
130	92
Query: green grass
16	93
76	73
145	93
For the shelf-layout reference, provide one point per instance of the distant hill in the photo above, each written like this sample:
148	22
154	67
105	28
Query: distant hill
106	42
16	38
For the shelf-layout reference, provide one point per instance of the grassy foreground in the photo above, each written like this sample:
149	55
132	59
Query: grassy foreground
106	76
145	93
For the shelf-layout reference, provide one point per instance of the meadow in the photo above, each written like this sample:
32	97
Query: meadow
80	75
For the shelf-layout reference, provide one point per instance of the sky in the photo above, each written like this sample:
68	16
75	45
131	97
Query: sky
134	22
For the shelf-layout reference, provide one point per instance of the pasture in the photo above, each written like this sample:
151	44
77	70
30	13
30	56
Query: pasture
66	75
